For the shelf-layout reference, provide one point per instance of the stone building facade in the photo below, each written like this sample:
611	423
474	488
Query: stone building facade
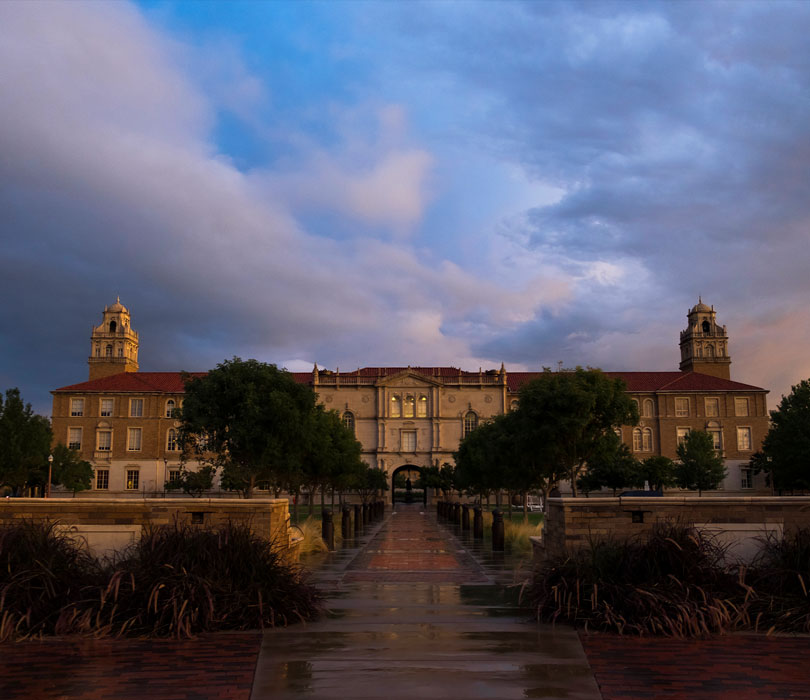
122	420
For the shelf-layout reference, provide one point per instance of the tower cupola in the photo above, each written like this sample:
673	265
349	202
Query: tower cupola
113	344
704	343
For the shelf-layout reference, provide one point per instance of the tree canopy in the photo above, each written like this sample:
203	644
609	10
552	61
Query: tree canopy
25	442
612	466
699	467
70	470
786	448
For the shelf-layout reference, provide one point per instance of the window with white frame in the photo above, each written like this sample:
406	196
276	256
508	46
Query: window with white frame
409	408
470	422
681	434
408	440
77	407
170	408
104	440
134	436
647	408
348	420
712	407
744	439
75	438
396	407
133	478
636	439
746	478
106	408
102	479
646	440
421	407
171	440
741	406
714	429
681	407
136	408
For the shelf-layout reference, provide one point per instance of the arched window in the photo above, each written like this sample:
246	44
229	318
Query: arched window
348	420
638	407
636	439
112	326
421	407
707	327
171	441
409	407
647	408
396	407
108	351
120	352
646	440
514	405
710	351
470	422
170	408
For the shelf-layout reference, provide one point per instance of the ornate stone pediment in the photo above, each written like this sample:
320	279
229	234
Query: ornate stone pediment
408	378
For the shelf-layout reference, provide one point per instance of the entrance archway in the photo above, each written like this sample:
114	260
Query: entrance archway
407	474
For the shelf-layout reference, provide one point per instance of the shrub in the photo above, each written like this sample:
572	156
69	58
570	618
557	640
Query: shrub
672	584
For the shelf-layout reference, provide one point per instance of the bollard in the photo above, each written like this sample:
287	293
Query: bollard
328	529
358	519
465	517
478	524
457	513
497	531
365	514
346	523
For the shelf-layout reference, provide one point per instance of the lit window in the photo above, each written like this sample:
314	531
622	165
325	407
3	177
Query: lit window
681	407
108	351
421	407
120	352
133	475
408	440
746	478
647	408
106	407
77	407
348	420
104	438
717	435
741	406
682	433
744	439
713	407
409	407
637	440
470	423
102	479
514	405
396	407
136	408
171	440
170	406
134	440
75	438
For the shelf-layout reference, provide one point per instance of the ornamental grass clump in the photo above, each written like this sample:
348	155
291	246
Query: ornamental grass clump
179	580
47	581
674	583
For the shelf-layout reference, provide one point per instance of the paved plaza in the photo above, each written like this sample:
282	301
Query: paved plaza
416	611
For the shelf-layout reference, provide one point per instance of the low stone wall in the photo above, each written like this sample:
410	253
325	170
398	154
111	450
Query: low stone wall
110	524
736	521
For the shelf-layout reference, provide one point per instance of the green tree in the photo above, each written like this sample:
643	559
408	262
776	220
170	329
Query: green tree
25	443
658	472
70	470
253	417
786	448
370	482
699	467
194	482
564	417
442	478
612	466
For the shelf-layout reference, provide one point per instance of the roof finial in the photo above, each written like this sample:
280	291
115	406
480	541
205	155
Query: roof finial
117	298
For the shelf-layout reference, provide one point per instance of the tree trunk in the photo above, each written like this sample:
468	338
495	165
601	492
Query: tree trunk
251	485
574	483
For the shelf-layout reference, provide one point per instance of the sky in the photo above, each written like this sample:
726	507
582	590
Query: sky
404	183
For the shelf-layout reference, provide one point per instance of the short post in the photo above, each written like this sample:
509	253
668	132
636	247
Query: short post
465	517
497	531
478	524
328	529
358	519
346	523
457	513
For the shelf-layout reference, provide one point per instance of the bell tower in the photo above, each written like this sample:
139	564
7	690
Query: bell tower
113	344
704	344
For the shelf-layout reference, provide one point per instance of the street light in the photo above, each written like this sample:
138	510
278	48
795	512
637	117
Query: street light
50	472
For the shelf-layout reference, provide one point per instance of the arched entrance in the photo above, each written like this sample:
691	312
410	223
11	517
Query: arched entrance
407	486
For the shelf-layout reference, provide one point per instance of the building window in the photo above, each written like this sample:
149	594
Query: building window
104	438
106	407
470	423
712	407
717	435
133	475
744	439
636	439
170	407
120	352
396	407
646	440
741	407
681	408
746	478
134	439
75	438
174	475
421	407
108	351
77	407
348	420
102	479
409	407
98	351
408	439
136	408
681	434
647	408
514	405
171	440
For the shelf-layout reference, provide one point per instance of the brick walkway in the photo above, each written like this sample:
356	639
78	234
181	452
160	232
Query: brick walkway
734	667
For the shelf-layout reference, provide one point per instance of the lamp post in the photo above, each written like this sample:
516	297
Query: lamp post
50	473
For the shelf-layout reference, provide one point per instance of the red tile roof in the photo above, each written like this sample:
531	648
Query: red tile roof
172	382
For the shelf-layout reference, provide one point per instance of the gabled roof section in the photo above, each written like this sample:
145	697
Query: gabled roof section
133	382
